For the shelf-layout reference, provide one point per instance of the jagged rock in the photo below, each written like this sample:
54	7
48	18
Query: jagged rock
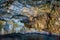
44	17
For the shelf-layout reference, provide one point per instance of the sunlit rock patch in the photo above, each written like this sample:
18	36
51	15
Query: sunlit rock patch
42	18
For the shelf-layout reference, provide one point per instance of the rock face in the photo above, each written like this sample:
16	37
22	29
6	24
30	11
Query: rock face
43	18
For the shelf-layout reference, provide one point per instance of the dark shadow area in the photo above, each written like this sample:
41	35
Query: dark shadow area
29	36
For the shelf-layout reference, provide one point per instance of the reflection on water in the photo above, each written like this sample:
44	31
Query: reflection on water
29	36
